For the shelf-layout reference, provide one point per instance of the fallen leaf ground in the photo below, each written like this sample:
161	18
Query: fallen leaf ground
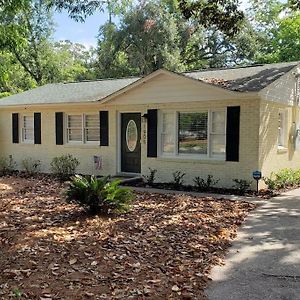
163	249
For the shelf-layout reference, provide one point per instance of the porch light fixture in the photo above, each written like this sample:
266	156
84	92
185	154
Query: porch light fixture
145	116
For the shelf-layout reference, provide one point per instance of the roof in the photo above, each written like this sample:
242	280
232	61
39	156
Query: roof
242	79
86	91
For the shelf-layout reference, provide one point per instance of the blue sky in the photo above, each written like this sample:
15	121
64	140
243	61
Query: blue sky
85	33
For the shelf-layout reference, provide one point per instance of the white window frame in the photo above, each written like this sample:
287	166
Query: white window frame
22	129
176	153
283	139
83	130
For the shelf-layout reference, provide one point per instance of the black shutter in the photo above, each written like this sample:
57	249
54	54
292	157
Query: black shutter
37	128
59	128
15	128
233	133
152	133
104	128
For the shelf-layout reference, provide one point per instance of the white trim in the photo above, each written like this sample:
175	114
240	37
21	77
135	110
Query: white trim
22	128
180	156
83	130
284	113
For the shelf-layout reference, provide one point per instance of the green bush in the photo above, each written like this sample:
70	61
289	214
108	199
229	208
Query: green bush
204	185
270	182
283	179
98	195
241	185
151	177
177	179
64	166
7	165
31	166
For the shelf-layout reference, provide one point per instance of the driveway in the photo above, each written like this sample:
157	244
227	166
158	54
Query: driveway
264	262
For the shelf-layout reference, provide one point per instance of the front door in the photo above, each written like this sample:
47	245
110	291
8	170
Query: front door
131	142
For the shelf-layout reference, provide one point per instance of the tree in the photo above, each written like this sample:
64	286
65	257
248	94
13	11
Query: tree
13	78
277	30
81	9
155	35
26	35
225	15
147	39
71	62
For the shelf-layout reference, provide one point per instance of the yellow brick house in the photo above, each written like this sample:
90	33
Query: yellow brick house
226	123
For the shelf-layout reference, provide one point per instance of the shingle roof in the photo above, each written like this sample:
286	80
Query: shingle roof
245	79
86	91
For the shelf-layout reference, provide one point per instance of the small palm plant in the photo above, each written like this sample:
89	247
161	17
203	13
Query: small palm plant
98	195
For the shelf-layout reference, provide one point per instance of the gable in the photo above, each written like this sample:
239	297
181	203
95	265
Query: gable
167	87
283	90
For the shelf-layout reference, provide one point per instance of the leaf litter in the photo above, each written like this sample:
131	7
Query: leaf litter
163	248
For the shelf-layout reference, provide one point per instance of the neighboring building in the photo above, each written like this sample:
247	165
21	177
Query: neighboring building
227	123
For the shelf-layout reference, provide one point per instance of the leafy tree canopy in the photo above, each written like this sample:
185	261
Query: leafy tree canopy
225	15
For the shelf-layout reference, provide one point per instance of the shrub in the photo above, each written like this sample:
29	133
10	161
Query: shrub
7	165
241	185
98	195
31	166
177	179
151	177
64	166
270	182
283	179
204	185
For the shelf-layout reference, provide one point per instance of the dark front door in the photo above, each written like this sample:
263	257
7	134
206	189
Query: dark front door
131	142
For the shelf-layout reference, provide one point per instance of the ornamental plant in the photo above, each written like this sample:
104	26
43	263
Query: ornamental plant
64	166
7	165
98	195
204	185
31	166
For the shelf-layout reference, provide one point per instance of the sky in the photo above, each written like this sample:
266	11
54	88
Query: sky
85	33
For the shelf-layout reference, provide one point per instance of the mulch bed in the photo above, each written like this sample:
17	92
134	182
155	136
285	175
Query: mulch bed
263	193
163	248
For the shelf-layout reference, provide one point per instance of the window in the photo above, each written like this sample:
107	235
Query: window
192	133
74	128
281	129
197	134
27	129
91	128
217	134
168	138
83	128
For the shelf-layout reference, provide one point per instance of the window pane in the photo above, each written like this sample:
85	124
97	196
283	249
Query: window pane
218	144
92	128
92	135
28	134
27	129
75	121
218	122
75	135
28	122
281	129
168	138
192	133
92	121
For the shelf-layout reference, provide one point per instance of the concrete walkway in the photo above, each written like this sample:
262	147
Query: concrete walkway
264	262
